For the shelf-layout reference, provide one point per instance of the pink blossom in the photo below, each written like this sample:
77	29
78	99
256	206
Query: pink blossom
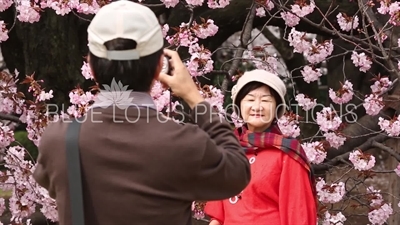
361	60
165	29
195	2
216	4
236	120
397	171
289	125
384	7
347	23
60	7
290	19
315	152
43	96
306	103
376	197
260	12
6	135
373	104
343	95
170	3
394	10
391	127
335	140
330	193
379	216
381	85
298	41
303	10
327	119
26	13
207	29
162	100
362	161
87	71
310	74
318	52
334	219
3	31
157	89
200	61
85	8
5	4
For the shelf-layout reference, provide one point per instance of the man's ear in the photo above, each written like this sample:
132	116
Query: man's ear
90	67
159	67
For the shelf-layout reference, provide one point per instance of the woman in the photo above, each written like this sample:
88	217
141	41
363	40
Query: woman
281	190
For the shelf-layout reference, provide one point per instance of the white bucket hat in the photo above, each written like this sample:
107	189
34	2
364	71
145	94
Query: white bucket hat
265	77
129	20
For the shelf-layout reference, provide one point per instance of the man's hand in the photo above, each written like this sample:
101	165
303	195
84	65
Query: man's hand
180	81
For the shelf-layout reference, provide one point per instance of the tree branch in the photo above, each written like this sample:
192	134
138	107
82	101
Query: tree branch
387	149
343	157
245	37
9	118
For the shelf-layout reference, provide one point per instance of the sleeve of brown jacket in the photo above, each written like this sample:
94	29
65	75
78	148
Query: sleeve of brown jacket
224	170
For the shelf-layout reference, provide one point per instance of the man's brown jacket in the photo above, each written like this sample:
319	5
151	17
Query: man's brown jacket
140	168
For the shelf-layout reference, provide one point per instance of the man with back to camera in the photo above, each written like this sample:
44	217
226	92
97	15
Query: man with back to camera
149	171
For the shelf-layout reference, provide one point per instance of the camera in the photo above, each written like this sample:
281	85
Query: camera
166	68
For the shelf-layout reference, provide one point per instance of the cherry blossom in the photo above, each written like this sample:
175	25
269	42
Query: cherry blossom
362	161
334	219
86	71
335	140
315	151
327	119
343	95
305	102
361	60
330	193
311	74
302	9
195	2
215	4
373	104
381	85
290	19
289	125
3	31
394	10
397	170
391	127
5	4
380	215
347	23
170	3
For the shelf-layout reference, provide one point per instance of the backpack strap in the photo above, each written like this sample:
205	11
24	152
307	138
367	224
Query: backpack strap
74	172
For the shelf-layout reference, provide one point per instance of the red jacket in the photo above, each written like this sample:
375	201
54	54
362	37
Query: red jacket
279	193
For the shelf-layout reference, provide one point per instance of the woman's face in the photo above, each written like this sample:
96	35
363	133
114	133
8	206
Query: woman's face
258	109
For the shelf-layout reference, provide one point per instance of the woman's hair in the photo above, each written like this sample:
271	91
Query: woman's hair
136	74
250	87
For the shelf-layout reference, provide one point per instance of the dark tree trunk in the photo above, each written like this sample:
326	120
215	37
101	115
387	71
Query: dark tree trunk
52	49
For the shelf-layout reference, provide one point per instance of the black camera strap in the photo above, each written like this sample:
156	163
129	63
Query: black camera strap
74	173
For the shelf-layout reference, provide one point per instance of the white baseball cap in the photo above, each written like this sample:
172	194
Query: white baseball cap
267	78
129	20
